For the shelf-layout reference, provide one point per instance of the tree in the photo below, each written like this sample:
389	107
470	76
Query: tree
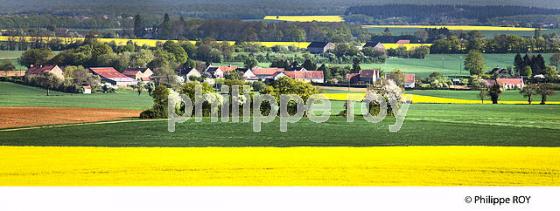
139	88
527	71
7	65
356	64
518	63
138	26
159	109
479	84
528	91
166	27
474	62
326	72
494	92
250	62
179	54
309	65
545	90
551	72
555	60
39	56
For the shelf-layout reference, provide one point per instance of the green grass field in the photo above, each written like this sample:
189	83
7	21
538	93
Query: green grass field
12	94
11	56
425	125
448	64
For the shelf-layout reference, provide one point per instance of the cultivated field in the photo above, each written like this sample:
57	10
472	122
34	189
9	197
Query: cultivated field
332	18
452	27
12	117
307	166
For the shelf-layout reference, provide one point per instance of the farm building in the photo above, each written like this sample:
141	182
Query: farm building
308	76
42	71
188	73
112	76
409	81
364	76
507	83
219	71
376	46
140	74
248	75
12	73
320	47
86	89
403	42
266	73
369	76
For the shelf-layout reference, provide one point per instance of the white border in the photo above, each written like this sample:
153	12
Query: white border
269	198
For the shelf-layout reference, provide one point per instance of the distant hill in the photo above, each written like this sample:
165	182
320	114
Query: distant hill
420	12
227	8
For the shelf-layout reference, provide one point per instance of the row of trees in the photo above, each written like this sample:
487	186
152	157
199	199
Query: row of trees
499	44
238	30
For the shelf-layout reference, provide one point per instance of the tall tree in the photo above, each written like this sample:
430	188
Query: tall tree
166	27
555	60
35	57
518	63
494	92
474	62
309	65
545	90
528	91
138	26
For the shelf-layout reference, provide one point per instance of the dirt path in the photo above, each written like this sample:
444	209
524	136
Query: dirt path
17	117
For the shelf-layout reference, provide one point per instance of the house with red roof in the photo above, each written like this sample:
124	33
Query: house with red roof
403	42
266	73
219	71
307	76
409	81
112	76
44	70
140	74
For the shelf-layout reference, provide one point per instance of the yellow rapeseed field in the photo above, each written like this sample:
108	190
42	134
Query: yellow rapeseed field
326	18
452	27
140	42
270	166
425	99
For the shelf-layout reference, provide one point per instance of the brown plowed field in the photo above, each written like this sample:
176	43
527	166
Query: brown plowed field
12	117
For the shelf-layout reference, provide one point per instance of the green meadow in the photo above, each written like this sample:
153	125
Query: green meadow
12	94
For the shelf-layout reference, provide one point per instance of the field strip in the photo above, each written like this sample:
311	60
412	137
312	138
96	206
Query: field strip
271	166
82	124
516	124
423	99
452	27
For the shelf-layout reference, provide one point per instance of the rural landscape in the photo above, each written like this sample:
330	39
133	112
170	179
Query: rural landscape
86	91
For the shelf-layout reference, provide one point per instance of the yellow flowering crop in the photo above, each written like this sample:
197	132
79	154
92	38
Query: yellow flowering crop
452	27
140	42
270	166
330	18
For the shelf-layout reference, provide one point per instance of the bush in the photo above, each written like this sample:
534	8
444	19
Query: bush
148	114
